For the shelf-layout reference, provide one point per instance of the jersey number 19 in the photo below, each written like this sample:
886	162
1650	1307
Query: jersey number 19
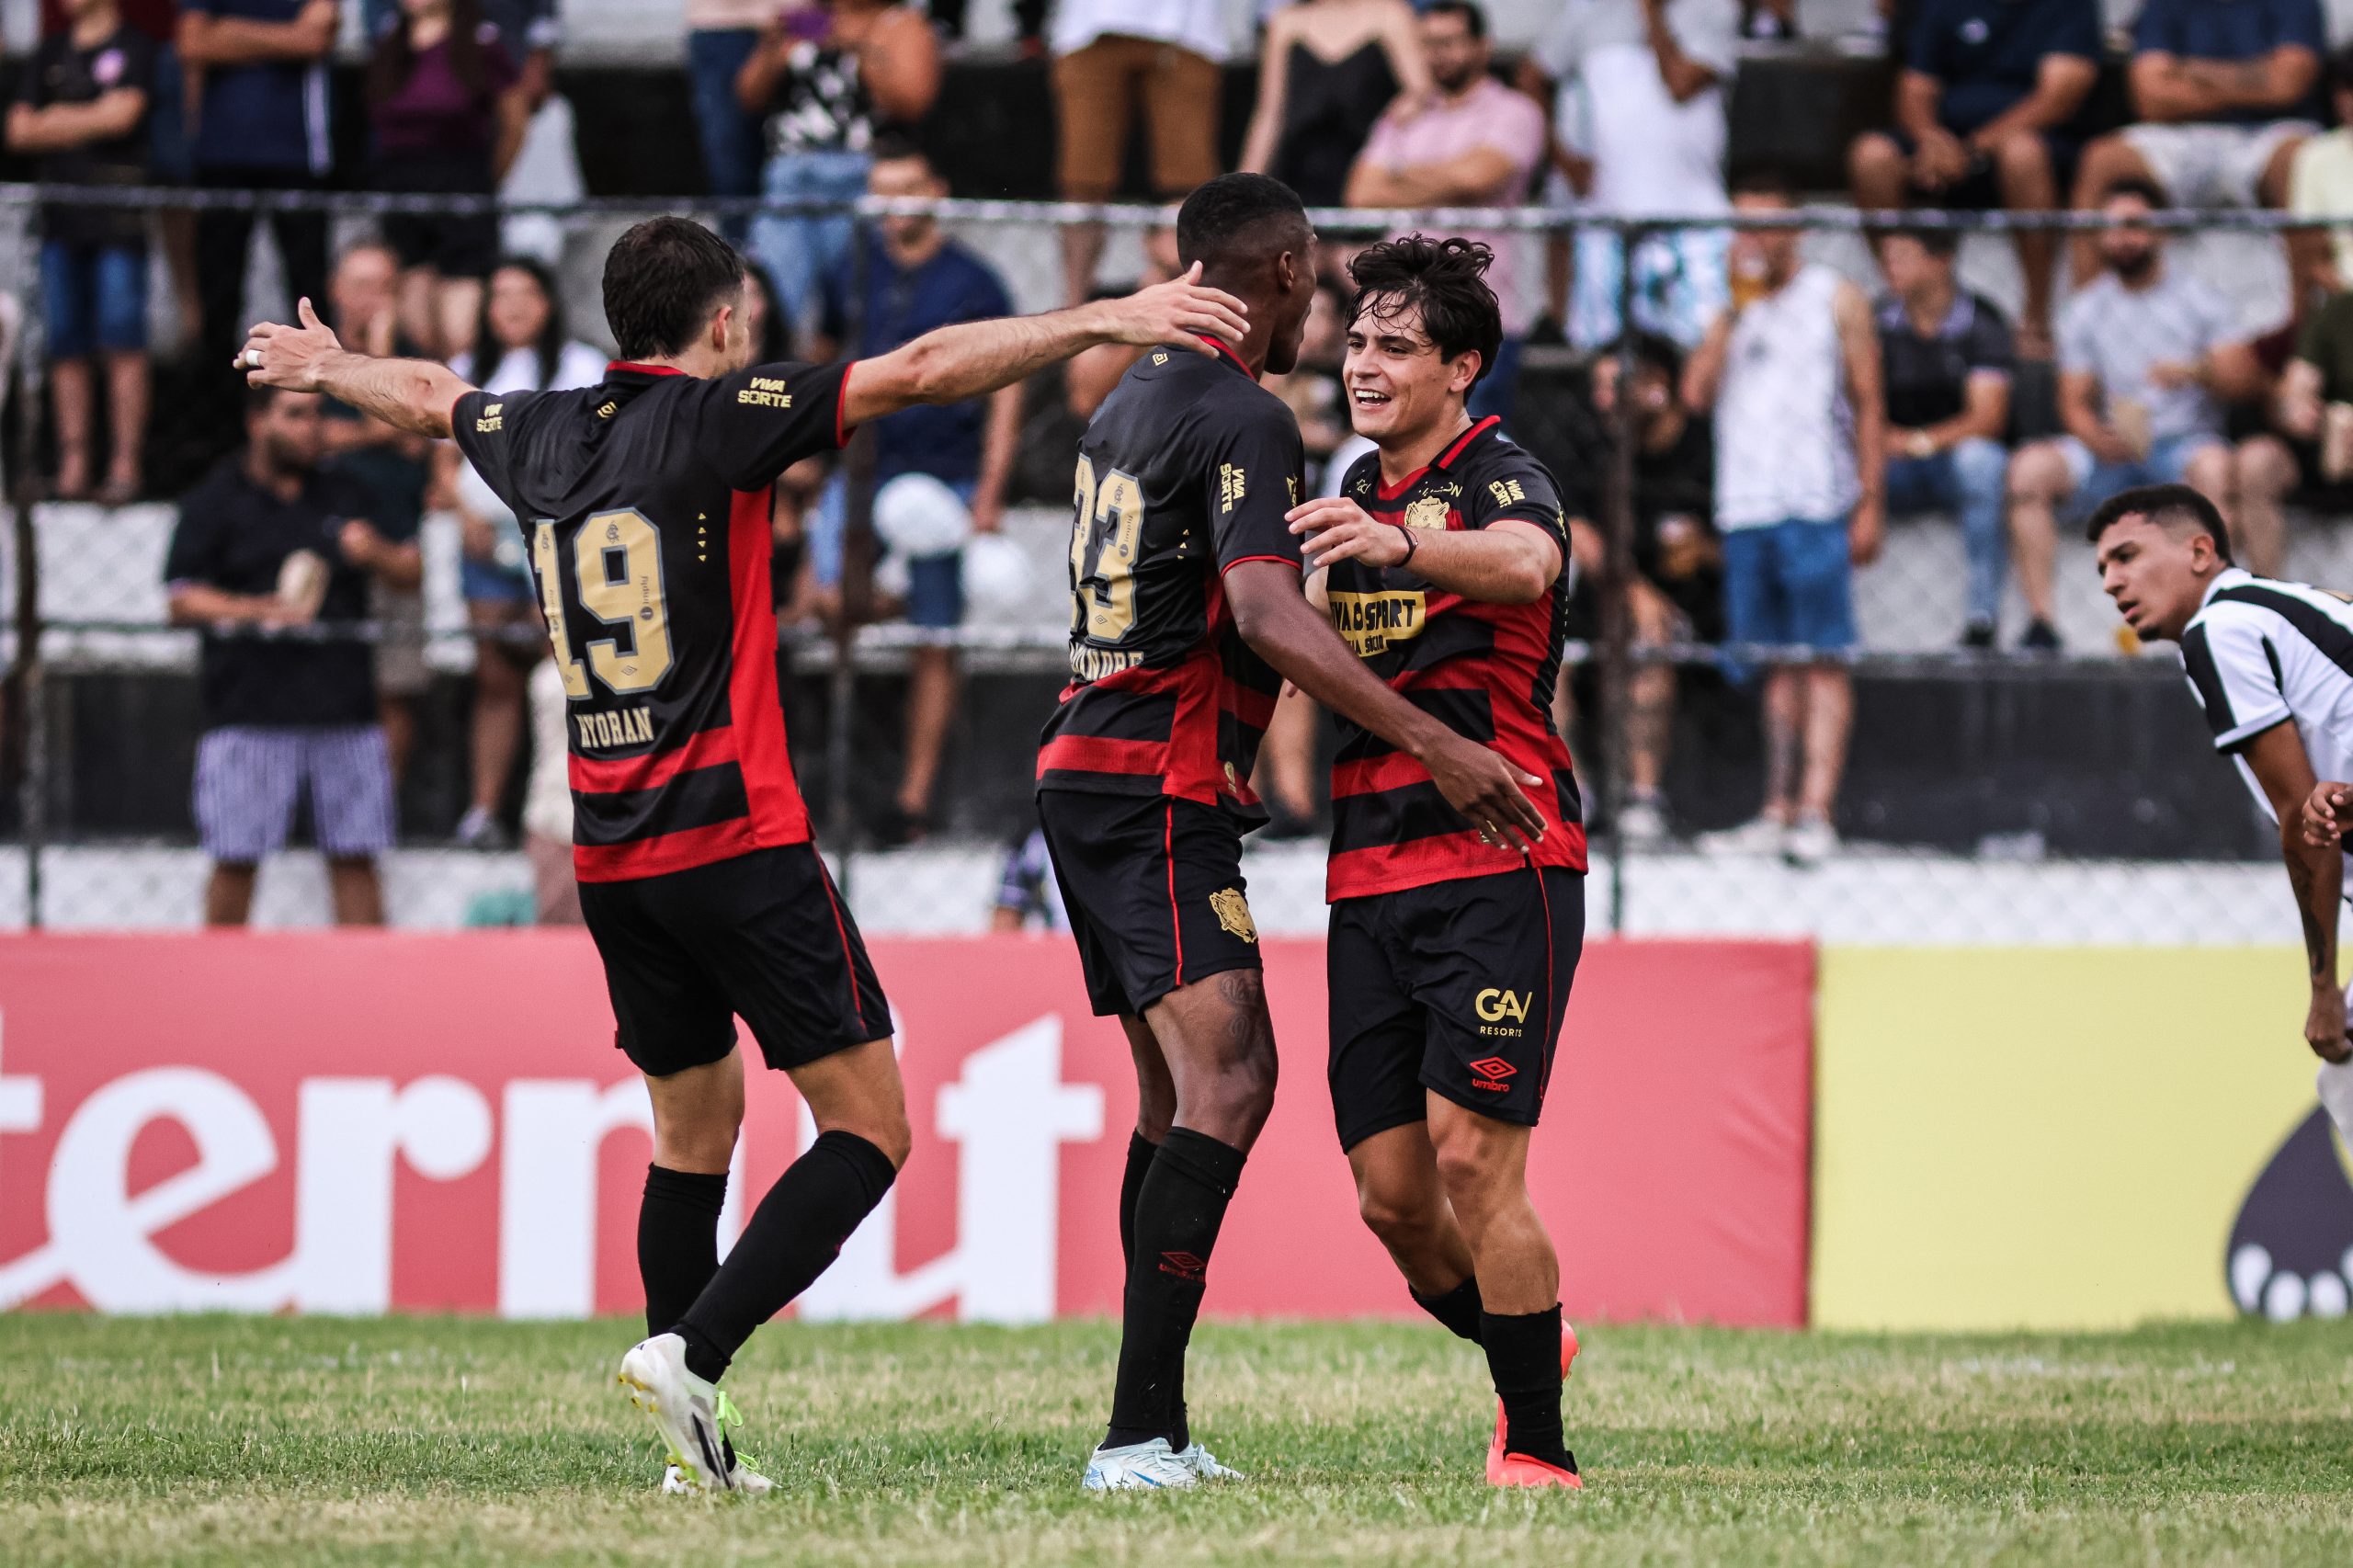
617	567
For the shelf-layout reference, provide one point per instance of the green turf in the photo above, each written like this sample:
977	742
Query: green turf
449	1442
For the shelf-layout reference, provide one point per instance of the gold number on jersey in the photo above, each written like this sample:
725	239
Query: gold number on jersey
1103	541
575	678
616	566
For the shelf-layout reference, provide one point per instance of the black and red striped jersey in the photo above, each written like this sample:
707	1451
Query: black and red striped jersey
1184	472
644	503
1486	670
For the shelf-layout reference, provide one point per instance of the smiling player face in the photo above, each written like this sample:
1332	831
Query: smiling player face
1398	385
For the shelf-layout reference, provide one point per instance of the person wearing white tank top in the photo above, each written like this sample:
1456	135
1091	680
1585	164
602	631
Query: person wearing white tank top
1793	372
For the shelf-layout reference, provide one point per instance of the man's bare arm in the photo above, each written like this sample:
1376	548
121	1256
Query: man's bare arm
409	394
950	364
2315	873
1283	629
1507	563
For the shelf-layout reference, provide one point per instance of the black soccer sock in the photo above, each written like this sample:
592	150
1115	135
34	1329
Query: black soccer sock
794	1235
1460	1309
677	1241
1141	1152
1524	1357
1178	1210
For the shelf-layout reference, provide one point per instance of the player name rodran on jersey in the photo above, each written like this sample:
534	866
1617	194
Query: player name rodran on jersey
1485	670
1184	472
644	503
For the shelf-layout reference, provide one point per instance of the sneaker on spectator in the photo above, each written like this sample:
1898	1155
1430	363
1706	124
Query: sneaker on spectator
2041	638
1811	840
1978	636
1765	835
479	829
1641	821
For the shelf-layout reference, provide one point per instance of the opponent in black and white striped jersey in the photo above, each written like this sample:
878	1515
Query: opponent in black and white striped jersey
2271	664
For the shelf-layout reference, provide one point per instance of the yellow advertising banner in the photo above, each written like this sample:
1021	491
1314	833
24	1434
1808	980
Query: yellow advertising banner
2055	1137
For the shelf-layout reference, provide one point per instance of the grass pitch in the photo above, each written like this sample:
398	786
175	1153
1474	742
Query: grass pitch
215	1440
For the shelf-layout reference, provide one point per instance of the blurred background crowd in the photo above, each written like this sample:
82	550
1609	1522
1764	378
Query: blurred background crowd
1824	477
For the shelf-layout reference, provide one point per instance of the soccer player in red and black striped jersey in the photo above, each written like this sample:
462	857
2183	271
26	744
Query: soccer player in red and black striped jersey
1452	944
644	502
1186	617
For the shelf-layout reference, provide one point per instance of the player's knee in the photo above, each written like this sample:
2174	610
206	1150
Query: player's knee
1393	1216
1473	1163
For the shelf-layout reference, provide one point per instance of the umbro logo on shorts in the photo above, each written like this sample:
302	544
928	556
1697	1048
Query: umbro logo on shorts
1185	1266
1492	1073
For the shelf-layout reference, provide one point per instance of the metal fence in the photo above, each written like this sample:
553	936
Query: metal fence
1994	795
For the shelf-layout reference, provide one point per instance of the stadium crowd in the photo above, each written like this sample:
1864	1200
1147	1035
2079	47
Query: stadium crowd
1785	412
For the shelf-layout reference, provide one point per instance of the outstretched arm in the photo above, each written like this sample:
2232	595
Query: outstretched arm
969	358
1279	623
2316	873
411	394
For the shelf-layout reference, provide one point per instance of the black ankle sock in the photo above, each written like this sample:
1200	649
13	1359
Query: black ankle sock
677	1241
1460	1309
1178	1210
1524	1355
795	1233
1141	1151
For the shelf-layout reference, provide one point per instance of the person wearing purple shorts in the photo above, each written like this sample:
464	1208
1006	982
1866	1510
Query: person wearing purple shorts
272	559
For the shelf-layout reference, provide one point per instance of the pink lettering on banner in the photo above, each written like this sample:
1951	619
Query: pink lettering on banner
365	1122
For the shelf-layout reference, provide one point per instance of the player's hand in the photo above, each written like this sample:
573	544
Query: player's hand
1181	311
1490	790
2324	1023
1334	528
288	357
2328	811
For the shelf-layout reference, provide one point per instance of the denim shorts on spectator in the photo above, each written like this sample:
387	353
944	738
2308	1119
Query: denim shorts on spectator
95	297
248	777
2168	463
1790	585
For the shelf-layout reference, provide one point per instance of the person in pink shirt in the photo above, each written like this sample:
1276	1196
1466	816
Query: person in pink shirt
1472	143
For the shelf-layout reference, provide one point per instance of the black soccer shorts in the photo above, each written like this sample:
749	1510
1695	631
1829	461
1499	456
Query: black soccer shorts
1154	886
1455	988
763	937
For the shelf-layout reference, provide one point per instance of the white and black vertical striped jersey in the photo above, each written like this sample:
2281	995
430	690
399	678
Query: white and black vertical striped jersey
2259	651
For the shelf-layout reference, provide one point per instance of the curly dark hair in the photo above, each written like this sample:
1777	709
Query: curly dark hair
1445	279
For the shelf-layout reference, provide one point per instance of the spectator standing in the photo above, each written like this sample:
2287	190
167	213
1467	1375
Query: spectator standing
363	306
444	103
2224	91
1986	110
81	112
915	279
267	543
547	802
1111	59
1945	362
825	82
1327	71
521	345
2320	183
2313	406
1676	592
1644	84
1792	369
2148	355
721	38
261	122
1474	143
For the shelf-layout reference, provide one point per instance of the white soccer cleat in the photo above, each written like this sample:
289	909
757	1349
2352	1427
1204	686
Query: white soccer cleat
1140	1467
743	1475
1205	1465
673	1481
685	1410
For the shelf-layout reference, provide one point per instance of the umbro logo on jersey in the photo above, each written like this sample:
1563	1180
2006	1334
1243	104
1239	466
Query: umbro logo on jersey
1186	1267
1492	1073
